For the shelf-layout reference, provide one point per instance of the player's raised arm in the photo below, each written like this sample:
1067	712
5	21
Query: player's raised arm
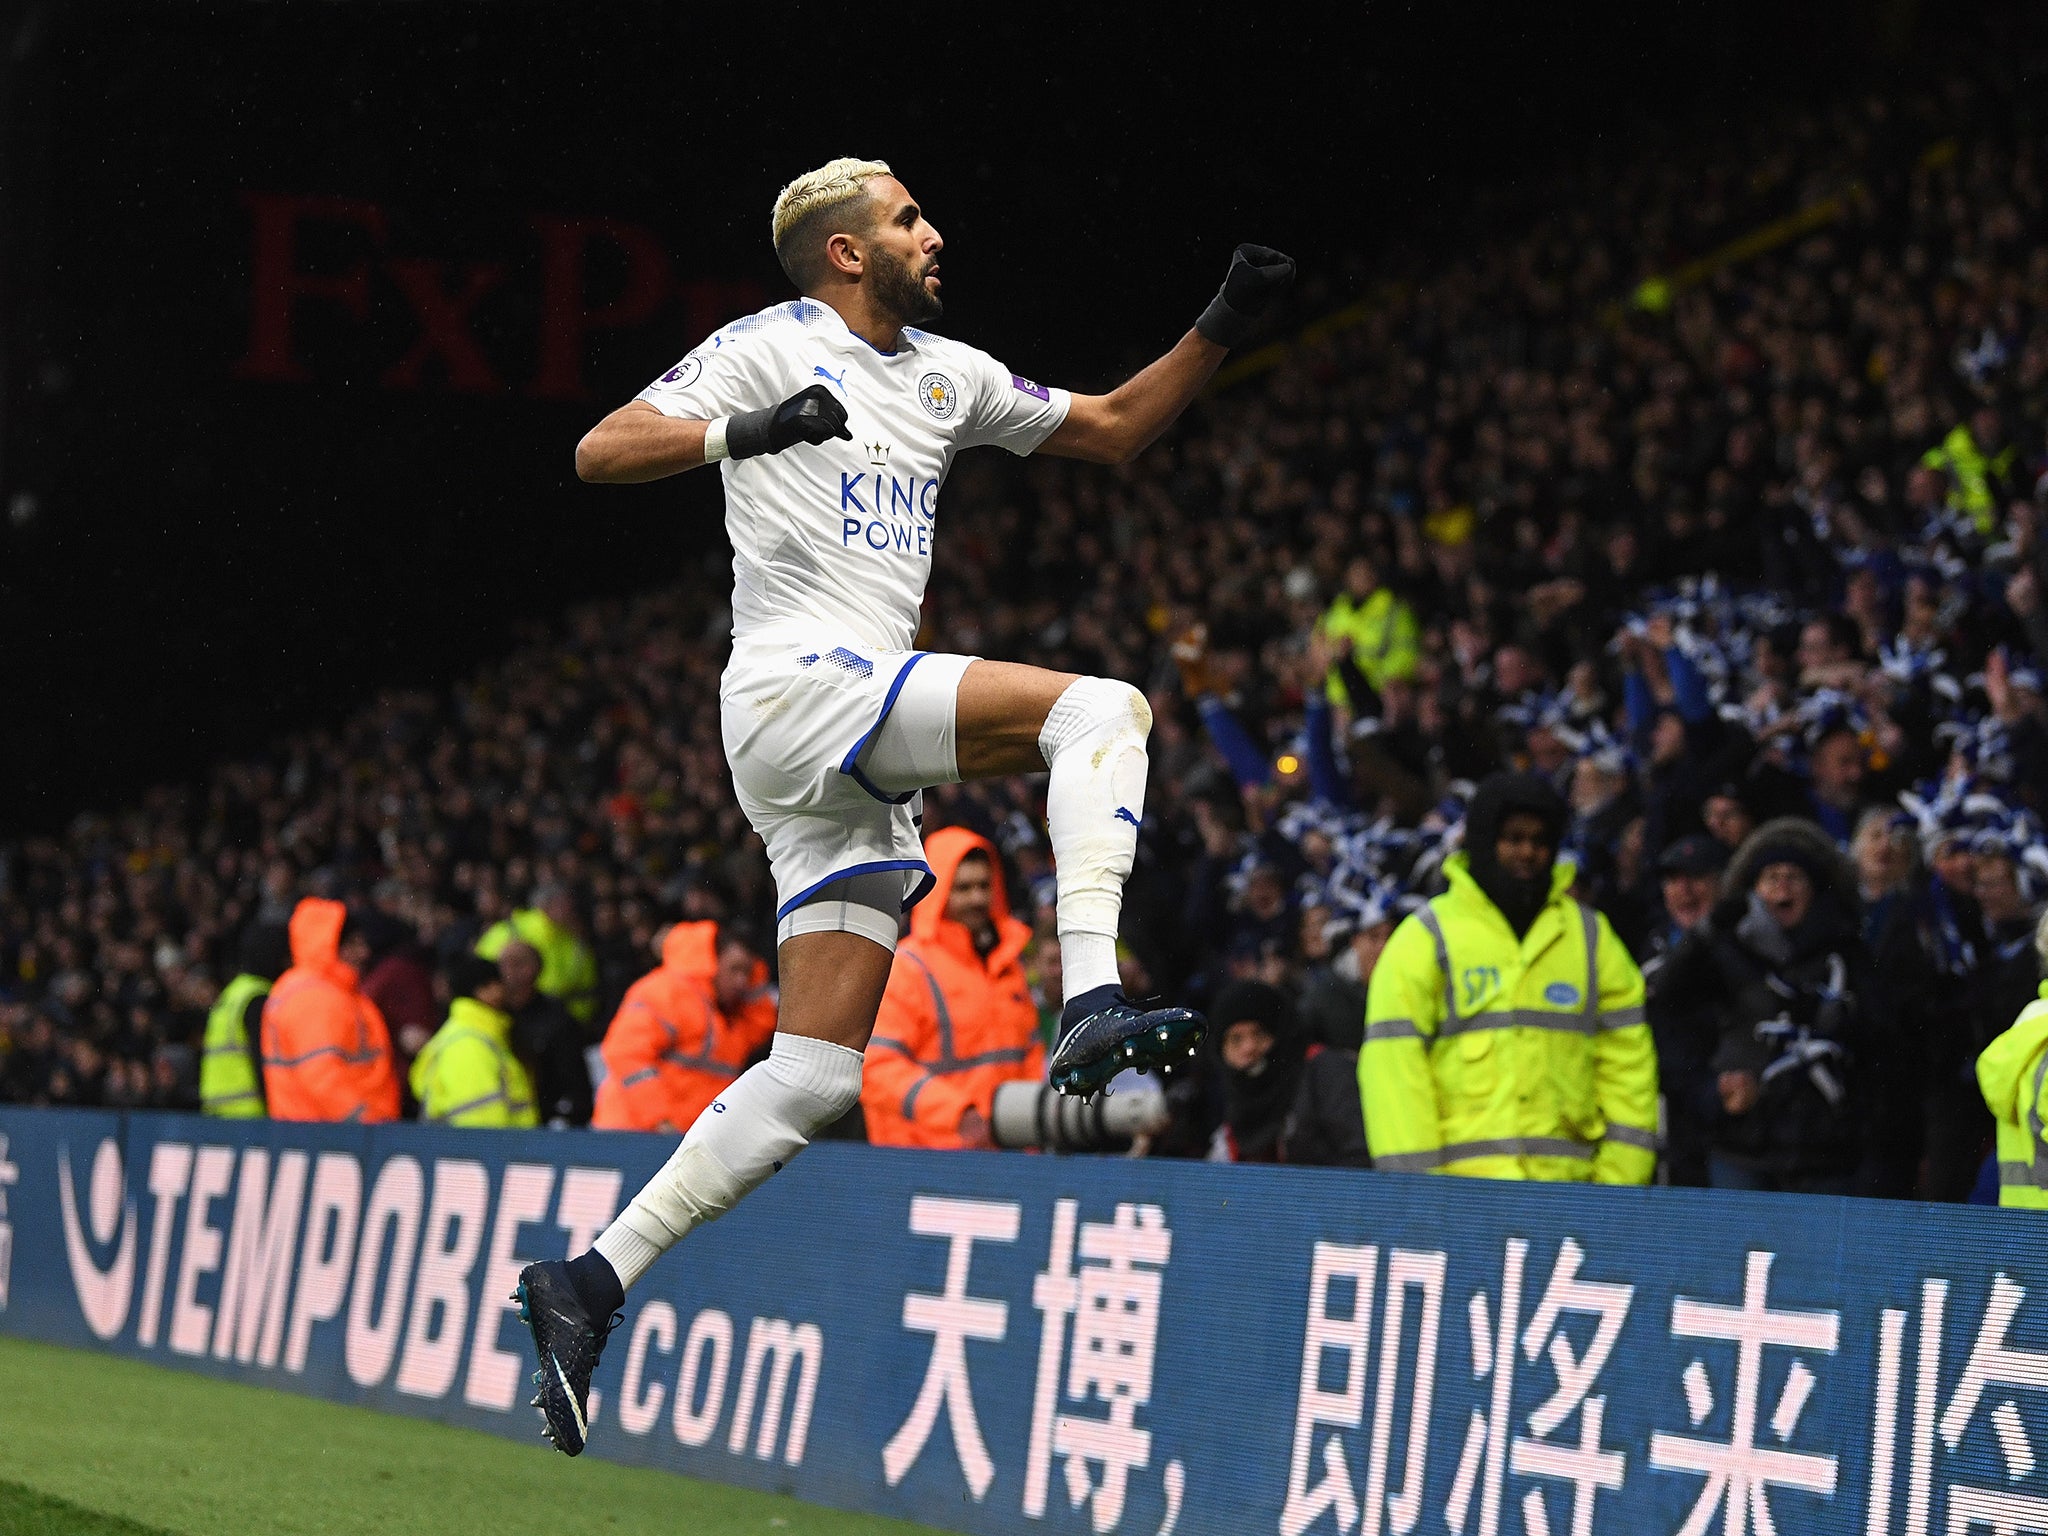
637	442
1115	428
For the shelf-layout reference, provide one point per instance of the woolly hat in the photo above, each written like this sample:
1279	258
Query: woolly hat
1783	850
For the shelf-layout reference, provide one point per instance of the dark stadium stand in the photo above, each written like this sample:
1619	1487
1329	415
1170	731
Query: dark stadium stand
1672	511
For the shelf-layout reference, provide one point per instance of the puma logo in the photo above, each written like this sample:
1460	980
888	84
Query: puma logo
1123	814
838	378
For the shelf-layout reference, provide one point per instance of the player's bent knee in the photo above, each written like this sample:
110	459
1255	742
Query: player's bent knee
1096	709
1114	703
1130	699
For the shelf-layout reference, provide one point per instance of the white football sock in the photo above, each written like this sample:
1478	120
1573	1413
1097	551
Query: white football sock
629	1254
1094	743
747	1133
1090	955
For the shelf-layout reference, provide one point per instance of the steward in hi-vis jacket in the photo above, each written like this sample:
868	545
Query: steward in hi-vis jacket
957	1019
1504	1033
2013	1071
231	1061
467	1074
684	1031
326	1049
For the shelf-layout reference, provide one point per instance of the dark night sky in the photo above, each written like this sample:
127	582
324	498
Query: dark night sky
213	557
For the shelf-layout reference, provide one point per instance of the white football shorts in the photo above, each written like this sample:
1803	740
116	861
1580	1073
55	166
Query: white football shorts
831	743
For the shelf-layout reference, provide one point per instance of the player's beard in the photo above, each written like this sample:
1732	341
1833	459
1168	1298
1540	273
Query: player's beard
899	287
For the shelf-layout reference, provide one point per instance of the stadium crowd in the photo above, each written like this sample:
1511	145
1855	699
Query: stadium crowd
1757	542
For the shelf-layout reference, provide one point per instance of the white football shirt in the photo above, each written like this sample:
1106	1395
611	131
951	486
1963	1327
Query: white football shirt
838	535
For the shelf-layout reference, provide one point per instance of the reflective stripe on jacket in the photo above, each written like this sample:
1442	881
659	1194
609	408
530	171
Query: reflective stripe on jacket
568	966
670	1051
1383	637
2013	1072
228	1084
326	1051
1505	1058
954	1025
466	1075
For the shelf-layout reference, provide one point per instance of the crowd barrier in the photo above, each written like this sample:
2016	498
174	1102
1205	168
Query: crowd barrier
1011	1344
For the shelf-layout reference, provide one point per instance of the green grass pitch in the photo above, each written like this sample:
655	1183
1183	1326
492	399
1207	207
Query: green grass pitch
98	1446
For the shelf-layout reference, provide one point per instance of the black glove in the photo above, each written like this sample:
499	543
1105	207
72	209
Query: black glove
811	415
1258	276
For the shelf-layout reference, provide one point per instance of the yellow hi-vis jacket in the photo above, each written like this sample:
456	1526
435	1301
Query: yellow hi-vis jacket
228	1085
1509	1059
2013	1072
1383	637
467	1075
1960	457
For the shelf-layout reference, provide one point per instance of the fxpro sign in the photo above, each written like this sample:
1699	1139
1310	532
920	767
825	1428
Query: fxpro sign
370	278
1009	1344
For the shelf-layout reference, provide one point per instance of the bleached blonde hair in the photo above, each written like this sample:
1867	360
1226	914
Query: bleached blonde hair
806	204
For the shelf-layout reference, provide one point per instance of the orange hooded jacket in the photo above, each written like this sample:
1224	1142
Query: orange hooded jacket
326	1050
669	1051
953	1025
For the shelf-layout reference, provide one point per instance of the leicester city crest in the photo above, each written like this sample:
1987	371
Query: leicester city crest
935	392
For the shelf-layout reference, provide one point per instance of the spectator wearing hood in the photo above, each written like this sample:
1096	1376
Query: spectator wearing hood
326	1049
231	1060
1504	1029
1259	1052
2013	1072
1780	999
684	1031
957	1019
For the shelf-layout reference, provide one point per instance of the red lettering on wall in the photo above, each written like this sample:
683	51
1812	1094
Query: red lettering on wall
566	315
444	325
290	270
277	284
